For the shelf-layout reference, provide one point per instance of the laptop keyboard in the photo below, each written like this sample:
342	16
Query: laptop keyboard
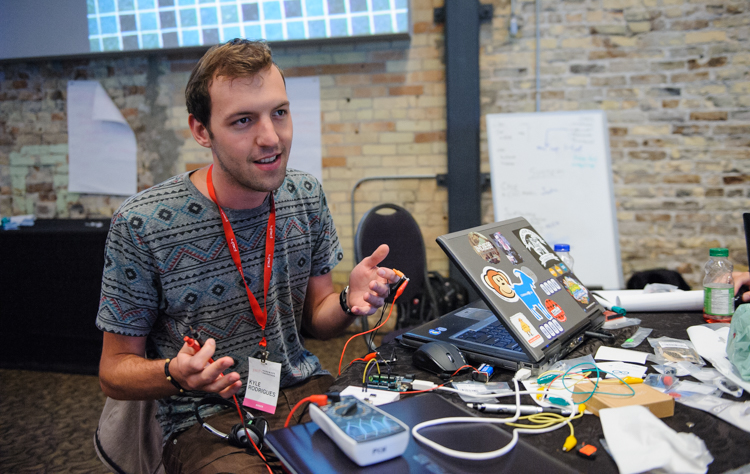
494	335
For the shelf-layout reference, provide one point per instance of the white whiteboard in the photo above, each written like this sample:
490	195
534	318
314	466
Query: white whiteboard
554	169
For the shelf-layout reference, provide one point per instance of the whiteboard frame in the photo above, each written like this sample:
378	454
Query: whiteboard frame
611	275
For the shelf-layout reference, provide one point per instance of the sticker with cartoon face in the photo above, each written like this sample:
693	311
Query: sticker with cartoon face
533	338
555	310
550	287
576	289
504	245
499	282
538	246
484	247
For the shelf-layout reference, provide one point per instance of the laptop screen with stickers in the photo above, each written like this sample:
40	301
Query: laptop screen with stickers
521	279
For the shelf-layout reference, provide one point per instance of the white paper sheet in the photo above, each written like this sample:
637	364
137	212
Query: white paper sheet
637	300
622	369
304	100
621	355
101	145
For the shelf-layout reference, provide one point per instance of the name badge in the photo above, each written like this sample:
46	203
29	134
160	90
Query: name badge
262	391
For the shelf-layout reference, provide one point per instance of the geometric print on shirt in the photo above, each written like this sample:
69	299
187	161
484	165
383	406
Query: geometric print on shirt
168	267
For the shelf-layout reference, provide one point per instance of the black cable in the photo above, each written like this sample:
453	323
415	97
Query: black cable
372	334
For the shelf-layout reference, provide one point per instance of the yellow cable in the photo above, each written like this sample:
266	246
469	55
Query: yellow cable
364	374
545	420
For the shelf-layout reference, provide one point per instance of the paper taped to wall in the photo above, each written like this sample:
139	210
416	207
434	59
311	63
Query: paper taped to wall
102	151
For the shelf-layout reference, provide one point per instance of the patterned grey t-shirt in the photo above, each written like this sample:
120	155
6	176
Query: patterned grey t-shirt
168	267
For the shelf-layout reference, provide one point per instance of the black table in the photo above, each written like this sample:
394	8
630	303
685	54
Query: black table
51	276
727	444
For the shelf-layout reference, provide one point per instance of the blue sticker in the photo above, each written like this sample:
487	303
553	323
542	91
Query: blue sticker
434	332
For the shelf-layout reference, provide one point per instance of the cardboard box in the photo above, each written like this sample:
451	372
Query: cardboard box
658	403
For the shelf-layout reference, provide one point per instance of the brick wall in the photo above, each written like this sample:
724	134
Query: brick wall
673	78
671	74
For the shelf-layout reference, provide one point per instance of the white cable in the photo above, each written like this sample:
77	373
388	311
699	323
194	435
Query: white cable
494	395
488	454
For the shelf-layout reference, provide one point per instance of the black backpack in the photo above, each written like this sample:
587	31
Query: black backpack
449	294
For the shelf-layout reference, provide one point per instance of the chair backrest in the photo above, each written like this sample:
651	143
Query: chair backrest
657	275
393	225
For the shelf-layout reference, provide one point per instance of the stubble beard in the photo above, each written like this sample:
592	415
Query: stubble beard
266	184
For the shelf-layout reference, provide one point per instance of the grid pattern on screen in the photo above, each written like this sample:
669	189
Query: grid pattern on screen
123	25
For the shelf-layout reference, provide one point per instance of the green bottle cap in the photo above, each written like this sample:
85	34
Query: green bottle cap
718	252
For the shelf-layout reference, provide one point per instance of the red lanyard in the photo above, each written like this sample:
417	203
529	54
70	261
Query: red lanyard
260	316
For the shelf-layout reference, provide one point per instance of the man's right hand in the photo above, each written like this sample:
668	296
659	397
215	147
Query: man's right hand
125	374
194	371
742	279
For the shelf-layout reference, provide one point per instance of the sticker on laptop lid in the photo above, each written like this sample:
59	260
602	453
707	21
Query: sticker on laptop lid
550	287
504	245
528	332
555	310
551	329
576	290
484	247
537	246
525	289
499	282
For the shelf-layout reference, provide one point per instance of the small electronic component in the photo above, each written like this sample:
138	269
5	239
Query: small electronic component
587	451
394	383
484	373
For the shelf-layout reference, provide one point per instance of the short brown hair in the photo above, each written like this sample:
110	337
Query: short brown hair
235	58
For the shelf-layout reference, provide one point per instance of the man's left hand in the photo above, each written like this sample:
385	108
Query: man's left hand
369	284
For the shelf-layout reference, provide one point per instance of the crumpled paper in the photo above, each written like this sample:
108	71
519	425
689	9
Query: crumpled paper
639	442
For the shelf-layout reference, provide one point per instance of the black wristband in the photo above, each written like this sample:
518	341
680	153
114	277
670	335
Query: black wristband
170	378
344	304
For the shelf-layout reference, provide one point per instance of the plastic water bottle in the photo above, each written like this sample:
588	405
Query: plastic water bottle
563	251
718	288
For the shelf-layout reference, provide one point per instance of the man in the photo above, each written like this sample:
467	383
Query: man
171	267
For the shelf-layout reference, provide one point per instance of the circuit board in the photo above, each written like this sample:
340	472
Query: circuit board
394	383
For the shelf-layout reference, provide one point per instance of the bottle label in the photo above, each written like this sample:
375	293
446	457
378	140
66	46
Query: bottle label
718	301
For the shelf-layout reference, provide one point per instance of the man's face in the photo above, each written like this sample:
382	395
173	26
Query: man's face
251	132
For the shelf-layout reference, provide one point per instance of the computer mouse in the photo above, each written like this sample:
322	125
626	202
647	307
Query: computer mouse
439	357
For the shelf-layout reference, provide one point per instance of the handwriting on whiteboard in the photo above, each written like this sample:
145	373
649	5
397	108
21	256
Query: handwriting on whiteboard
553	168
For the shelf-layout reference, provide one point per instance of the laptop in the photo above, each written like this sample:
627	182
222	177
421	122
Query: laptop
533	310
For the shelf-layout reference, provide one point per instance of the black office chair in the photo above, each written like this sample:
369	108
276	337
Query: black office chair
393	225
658	275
